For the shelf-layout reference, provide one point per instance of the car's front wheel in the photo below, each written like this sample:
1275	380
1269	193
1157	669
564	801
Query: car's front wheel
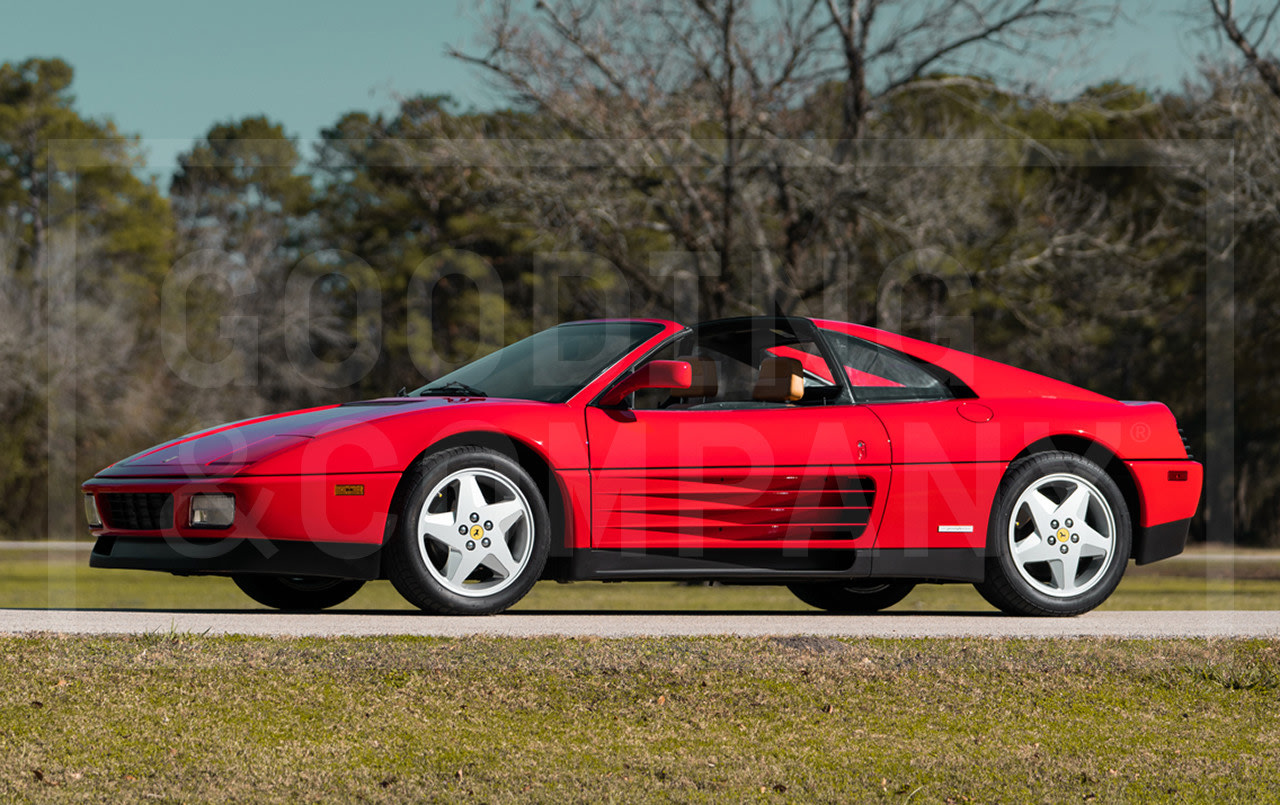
473	536
301	593
1059	537
852	597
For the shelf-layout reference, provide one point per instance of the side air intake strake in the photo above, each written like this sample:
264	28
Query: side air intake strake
710	504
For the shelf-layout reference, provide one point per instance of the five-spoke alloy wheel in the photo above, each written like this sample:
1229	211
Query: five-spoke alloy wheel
1059	537
473	535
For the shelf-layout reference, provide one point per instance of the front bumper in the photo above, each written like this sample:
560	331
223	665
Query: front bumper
308	525
302	508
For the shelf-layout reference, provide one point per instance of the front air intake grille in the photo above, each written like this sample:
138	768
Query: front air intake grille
139	511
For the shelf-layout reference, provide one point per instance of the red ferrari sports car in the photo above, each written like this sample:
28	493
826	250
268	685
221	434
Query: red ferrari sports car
845	462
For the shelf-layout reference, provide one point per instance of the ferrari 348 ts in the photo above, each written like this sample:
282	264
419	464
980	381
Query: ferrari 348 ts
847	463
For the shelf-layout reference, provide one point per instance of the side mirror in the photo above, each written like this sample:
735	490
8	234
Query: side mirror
653	375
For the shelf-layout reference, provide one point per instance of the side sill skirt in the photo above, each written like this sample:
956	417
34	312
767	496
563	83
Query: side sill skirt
777	566
358	561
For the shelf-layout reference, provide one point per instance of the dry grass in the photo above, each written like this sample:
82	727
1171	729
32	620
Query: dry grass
179	717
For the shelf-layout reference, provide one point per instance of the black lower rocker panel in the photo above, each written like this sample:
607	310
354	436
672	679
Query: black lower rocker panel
942	564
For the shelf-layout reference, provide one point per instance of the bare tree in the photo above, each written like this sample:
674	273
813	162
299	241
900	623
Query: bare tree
72	395
1250	31
886	45
690	125
1235	126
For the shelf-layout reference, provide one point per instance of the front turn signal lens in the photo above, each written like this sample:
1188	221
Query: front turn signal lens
212	510
91	512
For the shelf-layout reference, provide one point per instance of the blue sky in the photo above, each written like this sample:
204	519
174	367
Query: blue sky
168	70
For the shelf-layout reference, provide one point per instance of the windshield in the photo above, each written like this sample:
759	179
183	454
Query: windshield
550	366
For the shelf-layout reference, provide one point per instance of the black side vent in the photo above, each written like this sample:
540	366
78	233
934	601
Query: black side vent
1185	442
859	492
139	511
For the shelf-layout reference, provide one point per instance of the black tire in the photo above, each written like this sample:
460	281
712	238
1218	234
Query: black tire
416	565
1026	591
852	597
297	593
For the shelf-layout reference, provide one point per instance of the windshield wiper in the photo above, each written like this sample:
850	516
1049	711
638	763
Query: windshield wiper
452	388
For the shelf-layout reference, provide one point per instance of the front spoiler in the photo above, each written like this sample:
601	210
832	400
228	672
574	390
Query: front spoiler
224	557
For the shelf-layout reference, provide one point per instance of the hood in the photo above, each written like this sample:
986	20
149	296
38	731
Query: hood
235	447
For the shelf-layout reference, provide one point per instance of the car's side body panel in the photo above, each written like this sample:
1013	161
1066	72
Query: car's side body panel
945	471
784	477
947	466
1169	490
575	487
939	506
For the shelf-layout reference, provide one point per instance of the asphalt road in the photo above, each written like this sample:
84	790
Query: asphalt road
1186	624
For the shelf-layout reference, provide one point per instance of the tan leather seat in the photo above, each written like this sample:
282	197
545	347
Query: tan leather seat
706	380
781	380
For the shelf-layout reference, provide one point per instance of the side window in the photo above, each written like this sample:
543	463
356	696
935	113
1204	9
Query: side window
745	367
879	374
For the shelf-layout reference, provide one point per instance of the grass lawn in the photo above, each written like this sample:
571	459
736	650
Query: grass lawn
63	579
176	717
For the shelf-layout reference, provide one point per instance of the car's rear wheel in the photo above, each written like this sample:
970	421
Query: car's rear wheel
473	536
301	593
1059	537
852	597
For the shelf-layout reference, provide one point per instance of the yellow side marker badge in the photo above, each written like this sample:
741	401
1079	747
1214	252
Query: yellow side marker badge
348	489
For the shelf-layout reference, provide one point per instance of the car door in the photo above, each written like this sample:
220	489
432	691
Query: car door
728	472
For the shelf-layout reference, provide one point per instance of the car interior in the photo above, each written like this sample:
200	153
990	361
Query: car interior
744	364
